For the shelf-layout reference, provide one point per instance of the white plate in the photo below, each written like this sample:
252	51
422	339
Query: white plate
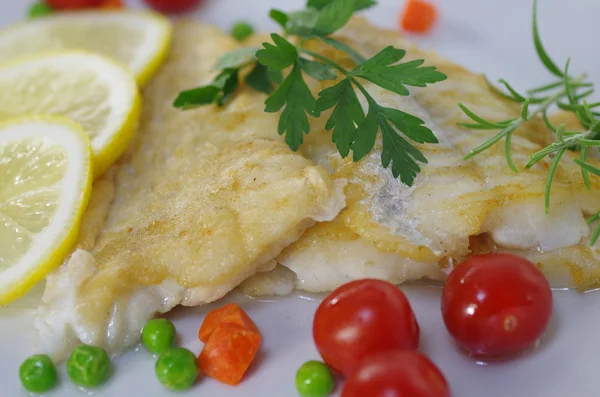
490	36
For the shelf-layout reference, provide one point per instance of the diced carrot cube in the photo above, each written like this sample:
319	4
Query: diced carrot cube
229	352
419	16
228	314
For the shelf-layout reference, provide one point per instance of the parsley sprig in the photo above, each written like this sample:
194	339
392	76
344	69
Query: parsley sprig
568	93
352	129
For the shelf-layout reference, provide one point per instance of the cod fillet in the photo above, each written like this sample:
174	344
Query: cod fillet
201	200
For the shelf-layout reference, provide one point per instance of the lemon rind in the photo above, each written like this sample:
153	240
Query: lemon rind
143	74
146	73
64	242
110	152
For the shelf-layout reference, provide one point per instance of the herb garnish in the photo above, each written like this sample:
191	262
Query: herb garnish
352	129
567	93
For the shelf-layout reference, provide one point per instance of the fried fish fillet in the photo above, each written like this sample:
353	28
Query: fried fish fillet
455	208
202	200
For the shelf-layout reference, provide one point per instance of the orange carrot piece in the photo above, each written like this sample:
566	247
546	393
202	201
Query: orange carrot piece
112	4
228	353
419	16
228	314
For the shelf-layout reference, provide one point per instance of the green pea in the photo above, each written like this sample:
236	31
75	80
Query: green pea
177	368
314	379
241	30
38	373
158	335
39	9
89	366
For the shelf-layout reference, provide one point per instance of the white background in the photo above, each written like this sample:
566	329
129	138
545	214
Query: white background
485	35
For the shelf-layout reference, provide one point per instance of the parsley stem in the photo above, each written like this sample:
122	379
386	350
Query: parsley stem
355	56
363	90
341	70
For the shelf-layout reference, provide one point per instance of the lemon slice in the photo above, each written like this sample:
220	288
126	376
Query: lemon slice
94	91
45	183
139	40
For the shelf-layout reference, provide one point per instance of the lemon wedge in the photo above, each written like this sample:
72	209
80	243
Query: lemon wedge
45	183
139	40
94	91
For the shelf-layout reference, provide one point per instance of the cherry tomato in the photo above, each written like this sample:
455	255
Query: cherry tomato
73	4
362	318
496	305
173	6
397	373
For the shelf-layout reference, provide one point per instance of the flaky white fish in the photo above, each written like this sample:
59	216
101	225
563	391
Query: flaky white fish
202	200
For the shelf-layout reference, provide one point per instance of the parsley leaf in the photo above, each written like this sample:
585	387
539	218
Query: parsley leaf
360	4
351	129
227	82
236	58
219	91
334	16
302	23
382	59
294	94
355	56
318	70
279	16
275	76
401	154
396	150
196	97
381	71
321	18
346	116
260	80
366	133
278	56
409	125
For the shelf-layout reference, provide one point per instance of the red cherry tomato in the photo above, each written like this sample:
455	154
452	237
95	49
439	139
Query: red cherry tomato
73	4
397	373
362	318
173	6
496	305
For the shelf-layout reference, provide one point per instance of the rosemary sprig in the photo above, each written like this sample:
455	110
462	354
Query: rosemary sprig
565	93
596	233
352	129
